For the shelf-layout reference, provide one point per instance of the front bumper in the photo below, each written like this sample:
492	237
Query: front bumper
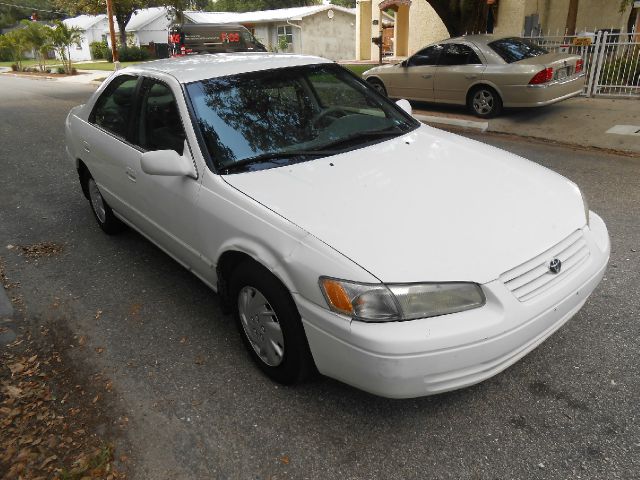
433	355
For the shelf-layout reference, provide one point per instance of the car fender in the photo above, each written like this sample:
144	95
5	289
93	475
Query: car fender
485	82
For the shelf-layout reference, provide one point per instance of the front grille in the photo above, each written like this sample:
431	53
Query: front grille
533	277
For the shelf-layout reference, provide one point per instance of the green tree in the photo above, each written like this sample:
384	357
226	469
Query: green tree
12	12
38	37
344	3
123	10
253	5
463	16
16	43
62	38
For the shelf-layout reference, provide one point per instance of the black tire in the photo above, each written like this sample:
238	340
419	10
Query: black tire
378	86
295	363
101	210
484	102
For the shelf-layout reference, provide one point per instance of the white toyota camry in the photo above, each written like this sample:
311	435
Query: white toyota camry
344	235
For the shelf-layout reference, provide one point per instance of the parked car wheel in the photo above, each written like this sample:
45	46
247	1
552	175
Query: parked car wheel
484	102
270	324
101	209
378	86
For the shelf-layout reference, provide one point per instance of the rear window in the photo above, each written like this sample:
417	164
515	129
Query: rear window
516	49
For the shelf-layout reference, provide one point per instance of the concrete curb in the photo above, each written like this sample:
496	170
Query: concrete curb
456	122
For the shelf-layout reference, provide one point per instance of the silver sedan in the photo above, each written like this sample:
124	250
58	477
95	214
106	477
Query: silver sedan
484	72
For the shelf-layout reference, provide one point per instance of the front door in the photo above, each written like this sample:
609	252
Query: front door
164	204
413	79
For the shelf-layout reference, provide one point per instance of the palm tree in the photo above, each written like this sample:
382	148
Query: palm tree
63	37
38	37
16	42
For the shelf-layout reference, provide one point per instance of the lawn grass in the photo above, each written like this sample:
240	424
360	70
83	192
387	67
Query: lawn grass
79	65
106	66
32	63
358	68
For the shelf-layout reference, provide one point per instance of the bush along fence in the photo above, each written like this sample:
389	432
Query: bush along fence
611	60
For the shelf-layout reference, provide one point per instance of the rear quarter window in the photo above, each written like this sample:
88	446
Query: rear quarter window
515	49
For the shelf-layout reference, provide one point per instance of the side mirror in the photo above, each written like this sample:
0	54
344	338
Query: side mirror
405	105
167	163
404	63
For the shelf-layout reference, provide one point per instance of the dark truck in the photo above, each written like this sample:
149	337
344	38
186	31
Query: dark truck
211	38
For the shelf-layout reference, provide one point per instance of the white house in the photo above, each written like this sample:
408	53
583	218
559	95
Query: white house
149	25
94	28
325	30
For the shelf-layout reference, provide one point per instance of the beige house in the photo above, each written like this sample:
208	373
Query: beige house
324	30
417	24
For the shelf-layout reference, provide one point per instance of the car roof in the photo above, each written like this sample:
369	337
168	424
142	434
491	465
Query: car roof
192	68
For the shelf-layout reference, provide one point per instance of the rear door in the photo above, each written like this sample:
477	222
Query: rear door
106	141
459	67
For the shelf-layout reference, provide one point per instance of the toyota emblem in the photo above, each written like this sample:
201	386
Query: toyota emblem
555	265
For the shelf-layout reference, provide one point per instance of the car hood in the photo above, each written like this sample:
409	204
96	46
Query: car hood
426	206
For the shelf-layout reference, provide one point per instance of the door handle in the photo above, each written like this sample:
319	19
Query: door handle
470	77
85	146
427	75
131	175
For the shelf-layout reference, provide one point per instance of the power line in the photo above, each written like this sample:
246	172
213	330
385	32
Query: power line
32	8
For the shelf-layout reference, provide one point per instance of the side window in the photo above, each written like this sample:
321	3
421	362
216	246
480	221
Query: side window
458	54
113	109
426	56
159	126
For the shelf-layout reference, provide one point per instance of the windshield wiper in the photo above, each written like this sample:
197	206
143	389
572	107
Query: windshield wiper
264	157
364	134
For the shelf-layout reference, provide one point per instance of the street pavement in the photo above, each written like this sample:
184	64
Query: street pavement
195	407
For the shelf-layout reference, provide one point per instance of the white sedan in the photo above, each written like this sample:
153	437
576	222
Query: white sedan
344	235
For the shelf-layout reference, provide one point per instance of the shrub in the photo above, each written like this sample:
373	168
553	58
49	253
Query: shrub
131	54
99	50
60	70
14	67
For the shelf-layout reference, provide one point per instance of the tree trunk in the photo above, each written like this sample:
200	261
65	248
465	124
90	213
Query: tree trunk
572	16
461	16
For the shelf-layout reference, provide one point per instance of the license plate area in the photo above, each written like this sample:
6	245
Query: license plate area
561	73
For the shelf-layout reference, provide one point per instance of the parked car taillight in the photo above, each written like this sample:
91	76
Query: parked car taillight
579	65
542	76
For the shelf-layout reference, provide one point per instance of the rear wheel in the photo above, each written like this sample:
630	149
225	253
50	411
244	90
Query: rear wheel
101	210
378	86
484	102
270	324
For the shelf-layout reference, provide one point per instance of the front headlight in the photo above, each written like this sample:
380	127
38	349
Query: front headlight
384	303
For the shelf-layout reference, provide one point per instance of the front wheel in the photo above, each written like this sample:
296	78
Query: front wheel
270	324
101	210
484	102
378	86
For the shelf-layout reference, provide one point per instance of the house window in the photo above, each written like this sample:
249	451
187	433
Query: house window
285	32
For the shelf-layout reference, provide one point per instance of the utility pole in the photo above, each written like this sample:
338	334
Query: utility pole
112	33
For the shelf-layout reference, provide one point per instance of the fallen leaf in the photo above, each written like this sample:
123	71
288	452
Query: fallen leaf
17	368
285	459
82	340
95	399
99	350
98	314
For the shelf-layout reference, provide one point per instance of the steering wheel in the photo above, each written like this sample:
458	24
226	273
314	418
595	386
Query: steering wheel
328	111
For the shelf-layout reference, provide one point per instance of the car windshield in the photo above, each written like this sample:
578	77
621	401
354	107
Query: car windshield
277	117
516	49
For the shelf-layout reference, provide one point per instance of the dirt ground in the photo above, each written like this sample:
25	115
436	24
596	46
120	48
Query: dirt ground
57	417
